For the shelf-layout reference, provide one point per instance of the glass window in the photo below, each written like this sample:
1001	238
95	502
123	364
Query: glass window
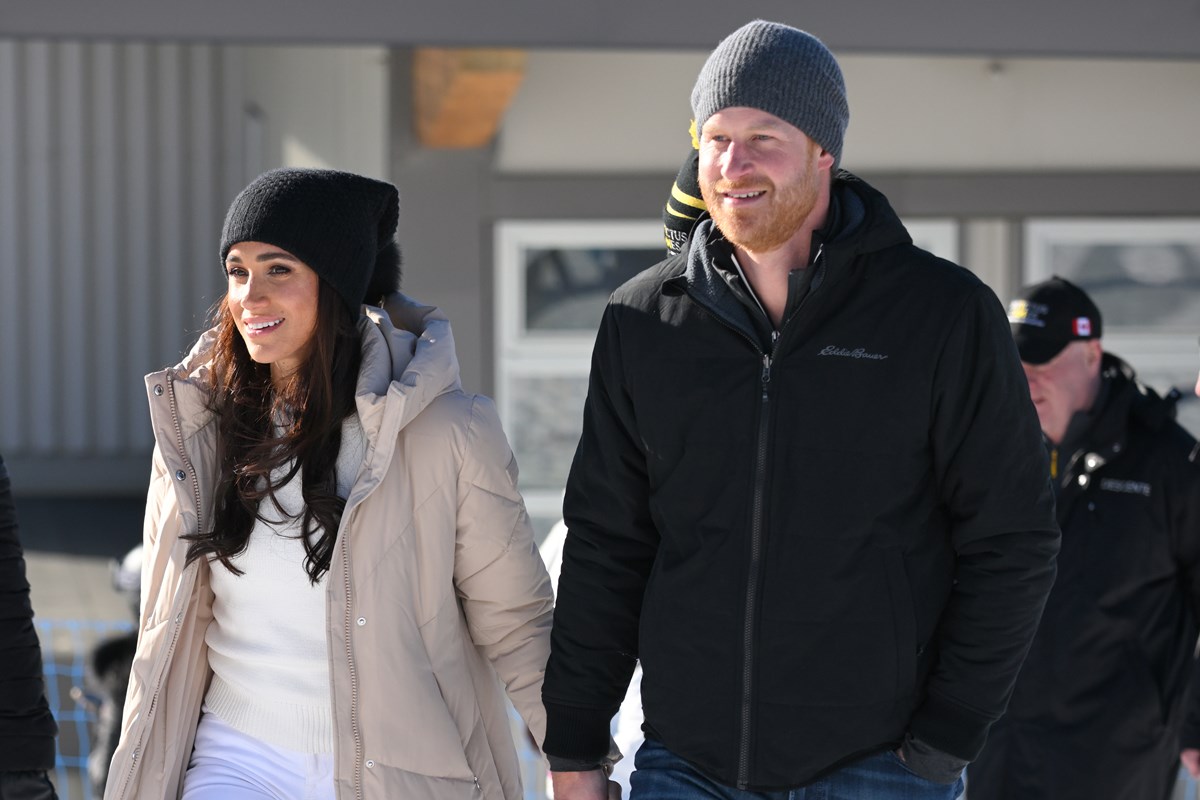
1144	275
566	288
553	280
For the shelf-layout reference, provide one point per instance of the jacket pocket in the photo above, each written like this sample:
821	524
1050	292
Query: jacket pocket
137	742
904	621
836	630
383	780
1145	693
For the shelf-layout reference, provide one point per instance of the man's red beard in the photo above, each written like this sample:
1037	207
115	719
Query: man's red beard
768	225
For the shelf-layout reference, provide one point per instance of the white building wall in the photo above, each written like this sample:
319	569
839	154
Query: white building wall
321	106
600	112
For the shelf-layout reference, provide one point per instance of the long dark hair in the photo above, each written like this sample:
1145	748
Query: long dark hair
261	428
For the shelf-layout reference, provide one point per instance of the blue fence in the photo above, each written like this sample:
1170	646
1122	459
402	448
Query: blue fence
65	647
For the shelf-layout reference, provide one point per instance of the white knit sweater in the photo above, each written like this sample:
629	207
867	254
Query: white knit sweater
267	643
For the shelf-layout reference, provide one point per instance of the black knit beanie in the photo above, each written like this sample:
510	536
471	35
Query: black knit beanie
340	224
781	70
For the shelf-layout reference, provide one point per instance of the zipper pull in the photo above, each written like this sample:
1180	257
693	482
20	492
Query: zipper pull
769	357
817	257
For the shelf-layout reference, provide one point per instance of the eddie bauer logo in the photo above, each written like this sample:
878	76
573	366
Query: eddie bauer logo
834	350
1125	487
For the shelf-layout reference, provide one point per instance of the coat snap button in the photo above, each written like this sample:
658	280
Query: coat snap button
362	621
158	390
370	764
180	474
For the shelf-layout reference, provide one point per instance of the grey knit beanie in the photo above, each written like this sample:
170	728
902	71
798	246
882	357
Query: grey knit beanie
781	70
341	224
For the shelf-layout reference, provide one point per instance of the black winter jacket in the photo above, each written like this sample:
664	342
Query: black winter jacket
815	542
27	728
1097	709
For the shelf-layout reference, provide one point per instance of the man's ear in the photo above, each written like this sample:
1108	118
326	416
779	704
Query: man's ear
1094	353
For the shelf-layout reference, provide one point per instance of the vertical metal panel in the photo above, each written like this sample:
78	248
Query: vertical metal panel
71	311
138	249
12	372
116	163
105	196
234	175
36	313
168	234
203	177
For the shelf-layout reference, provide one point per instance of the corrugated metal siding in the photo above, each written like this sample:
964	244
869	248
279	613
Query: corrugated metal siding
116	164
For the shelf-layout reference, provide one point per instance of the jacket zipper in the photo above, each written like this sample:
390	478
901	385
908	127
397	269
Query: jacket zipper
755	540
350	664
756	537
176	613
756	528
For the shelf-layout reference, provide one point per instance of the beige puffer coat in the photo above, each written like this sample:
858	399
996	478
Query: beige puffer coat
436	587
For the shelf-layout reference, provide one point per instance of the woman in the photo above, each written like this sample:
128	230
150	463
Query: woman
338	564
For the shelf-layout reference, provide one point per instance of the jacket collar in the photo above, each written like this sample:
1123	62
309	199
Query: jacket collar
860	220
1122	403
408	359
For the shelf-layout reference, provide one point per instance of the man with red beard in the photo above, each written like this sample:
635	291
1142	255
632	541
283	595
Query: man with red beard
811	495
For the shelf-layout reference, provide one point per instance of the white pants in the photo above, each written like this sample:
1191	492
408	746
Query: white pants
229	765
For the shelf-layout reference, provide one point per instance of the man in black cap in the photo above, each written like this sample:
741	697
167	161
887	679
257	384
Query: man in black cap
1099	703
810	495
1057	329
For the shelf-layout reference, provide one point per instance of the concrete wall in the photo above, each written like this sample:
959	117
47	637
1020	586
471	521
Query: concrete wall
442	233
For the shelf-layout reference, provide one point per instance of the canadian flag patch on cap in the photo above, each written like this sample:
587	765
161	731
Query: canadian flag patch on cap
1082	326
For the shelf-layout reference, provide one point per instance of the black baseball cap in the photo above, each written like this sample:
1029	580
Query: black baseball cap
1047	316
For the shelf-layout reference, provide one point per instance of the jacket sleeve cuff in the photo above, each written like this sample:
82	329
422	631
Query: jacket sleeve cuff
573	764
1189	735
577	735
930	763
950	728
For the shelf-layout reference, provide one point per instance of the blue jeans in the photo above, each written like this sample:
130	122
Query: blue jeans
661	775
